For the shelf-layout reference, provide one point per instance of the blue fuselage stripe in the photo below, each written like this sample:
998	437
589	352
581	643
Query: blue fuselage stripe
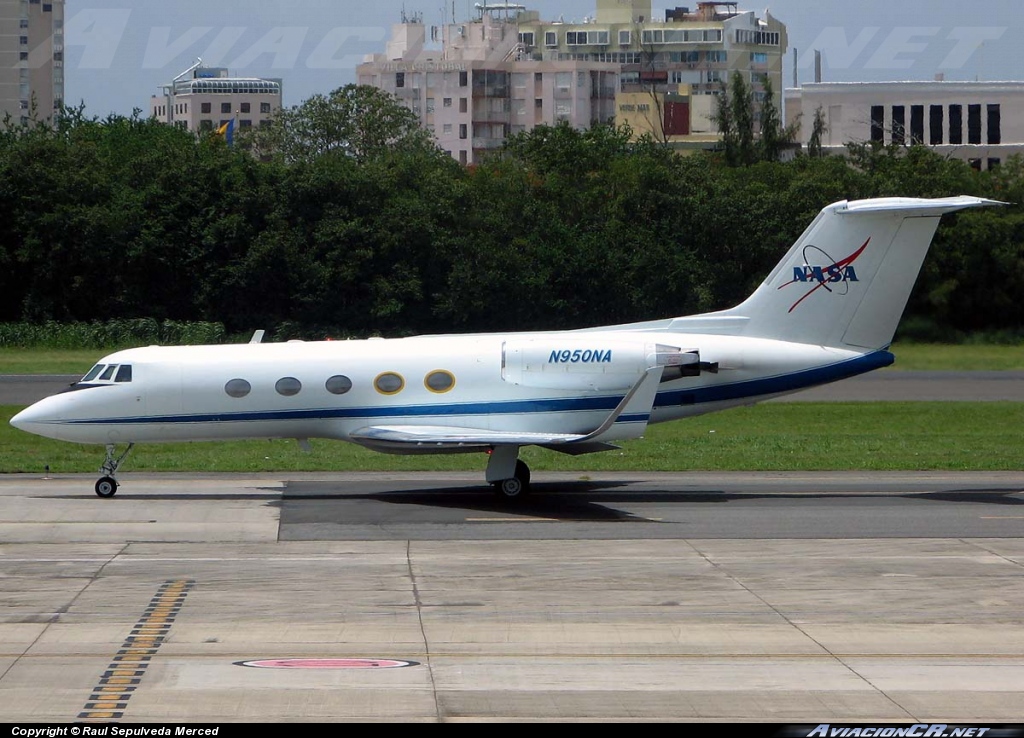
667	399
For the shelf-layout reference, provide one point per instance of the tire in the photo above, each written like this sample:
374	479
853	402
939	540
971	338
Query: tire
106	487
511	489
518	486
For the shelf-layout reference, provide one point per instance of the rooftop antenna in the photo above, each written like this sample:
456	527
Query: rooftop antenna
199	63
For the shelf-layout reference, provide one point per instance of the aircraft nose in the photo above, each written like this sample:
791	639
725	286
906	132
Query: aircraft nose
33	419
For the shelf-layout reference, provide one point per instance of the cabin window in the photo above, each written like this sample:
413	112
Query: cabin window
238	388
124	373
439	381
108	372
339	385
93	373
389	383
288	386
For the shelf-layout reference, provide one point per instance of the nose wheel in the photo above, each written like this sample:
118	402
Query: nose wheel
107	486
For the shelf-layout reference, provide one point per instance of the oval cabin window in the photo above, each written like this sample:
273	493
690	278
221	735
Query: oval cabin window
389	383
339	385
288	386
238	388
440	381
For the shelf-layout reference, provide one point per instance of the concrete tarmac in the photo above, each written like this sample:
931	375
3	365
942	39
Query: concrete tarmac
416	598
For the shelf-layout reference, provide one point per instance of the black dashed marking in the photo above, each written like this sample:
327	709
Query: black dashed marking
109	698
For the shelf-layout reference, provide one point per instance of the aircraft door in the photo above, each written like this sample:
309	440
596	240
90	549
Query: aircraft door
161	389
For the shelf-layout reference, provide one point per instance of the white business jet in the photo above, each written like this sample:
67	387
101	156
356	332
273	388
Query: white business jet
828	311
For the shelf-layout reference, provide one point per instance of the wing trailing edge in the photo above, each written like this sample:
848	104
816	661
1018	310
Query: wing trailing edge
628	420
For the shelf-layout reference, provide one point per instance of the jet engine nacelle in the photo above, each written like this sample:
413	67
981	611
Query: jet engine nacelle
588	363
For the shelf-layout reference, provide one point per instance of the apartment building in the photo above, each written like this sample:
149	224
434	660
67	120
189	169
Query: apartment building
507	70
31	59
981	123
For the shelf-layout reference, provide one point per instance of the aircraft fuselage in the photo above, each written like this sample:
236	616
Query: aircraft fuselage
565	382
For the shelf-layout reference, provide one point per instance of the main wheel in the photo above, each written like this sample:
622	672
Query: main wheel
511	488
106	487
517	486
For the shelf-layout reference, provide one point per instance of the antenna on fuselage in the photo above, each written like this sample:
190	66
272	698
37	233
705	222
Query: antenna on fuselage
257	337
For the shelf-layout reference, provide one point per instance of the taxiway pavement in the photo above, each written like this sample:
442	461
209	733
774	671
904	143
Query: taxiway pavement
782	598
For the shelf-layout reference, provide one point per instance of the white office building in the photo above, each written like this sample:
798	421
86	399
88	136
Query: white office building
205	98
979	122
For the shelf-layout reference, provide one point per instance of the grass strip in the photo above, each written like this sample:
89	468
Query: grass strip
910	436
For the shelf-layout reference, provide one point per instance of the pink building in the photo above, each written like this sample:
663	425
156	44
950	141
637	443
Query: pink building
483	86
507	70
31	59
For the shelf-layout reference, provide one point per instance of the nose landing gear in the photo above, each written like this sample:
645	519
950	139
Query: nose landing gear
107	485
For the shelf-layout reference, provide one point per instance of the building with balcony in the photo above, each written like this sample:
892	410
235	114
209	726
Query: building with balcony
981	123
205	98
31	59
508	70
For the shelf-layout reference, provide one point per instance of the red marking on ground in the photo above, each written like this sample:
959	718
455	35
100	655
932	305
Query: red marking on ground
327	663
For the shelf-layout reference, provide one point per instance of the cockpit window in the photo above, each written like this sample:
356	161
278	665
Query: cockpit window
108	372
93	373
124	373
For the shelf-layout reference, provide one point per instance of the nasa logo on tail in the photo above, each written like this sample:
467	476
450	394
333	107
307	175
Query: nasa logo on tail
834	278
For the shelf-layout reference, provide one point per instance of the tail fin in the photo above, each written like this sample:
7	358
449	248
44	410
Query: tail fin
847	279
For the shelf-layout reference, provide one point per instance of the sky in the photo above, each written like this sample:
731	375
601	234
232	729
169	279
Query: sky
119	52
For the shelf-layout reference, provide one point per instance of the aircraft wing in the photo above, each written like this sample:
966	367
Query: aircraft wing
442	435
426	438
422	438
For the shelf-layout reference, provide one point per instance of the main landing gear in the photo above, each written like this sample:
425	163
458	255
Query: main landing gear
509	475
517	486
106	486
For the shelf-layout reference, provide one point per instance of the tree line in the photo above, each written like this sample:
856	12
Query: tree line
344	219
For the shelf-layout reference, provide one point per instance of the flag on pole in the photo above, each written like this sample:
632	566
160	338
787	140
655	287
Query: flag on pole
228	131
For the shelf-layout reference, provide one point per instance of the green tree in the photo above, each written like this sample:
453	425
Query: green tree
818	130
734	116
774	136
360	121
564	150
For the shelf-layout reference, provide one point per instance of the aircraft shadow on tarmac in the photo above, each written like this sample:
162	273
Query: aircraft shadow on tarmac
593	501
579	501
576	500
985	496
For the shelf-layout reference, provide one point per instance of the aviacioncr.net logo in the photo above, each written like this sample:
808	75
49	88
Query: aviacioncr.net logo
918	730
